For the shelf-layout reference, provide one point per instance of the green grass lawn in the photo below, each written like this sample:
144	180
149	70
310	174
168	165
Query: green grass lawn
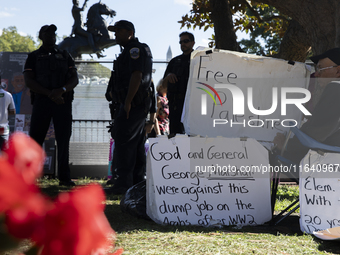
139	236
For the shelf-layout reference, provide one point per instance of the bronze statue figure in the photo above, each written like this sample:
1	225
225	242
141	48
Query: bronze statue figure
96	37
78	26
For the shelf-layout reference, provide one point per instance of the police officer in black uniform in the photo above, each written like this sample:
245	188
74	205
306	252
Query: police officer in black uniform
131	88
176	78
51	76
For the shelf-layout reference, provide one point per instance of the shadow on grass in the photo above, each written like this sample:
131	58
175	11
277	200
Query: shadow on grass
328	246
52	191
124	222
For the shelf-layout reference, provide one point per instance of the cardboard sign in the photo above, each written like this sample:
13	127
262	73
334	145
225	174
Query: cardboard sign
319	192
207	181
328	234
234	94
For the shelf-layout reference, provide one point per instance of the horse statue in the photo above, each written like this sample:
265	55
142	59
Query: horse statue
97	26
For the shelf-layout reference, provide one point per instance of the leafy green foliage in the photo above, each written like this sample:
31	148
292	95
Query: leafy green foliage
266	28
200	16
265	25
261	42
12	41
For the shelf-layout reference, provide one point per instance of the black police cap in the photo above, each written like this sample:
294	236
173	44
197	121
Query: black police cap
332	54
47	28
122	24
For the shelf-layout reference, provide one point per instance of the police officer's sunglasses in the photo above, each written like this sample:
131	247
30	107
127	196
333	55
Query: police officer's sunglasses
184	41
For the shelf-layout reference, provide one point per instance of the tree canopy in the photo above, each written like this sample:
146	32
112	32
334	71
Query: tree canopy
290	28
261	21
12	41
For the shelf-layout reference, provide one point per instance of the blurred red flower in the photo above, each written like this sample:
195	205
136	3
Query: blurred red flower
25	155
76	225
20	199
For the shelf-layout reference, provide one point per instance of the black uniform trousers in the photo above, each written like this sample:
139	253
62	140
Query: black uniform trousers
129	135
175	115
2	141
43	111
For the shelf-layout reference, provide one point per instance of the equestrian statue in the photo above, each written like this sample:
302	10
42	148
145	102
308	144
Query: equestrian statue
95	38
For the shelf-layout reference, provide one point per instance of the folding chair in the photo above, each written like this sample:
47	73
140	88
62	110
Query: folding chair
308	142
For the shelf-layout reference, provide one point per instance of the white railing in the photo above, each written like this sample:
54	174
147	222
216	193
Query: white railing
90	131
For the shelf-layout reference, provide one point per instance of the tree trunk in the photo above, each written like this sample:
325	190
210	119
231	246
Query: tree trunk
337	23
319	19
294	45
225	37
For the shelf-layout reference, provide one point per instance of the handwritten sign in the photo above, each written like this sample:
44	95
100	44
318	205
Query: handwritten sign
319	192
260	86
197	181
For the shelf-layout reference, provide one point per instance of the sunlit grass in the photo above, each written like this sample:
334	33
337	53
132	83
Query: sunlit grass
286	194
139	236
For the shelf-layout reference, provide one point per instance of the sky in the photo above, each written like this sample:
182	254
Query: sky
155	21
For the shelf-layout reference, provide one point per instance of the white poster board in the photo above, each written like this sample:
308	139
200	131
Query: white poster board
319	192
213	70
204	181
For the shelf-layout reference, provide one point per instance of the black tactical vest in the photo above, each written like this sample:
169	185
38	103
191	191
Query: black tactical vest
123	74
51	69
